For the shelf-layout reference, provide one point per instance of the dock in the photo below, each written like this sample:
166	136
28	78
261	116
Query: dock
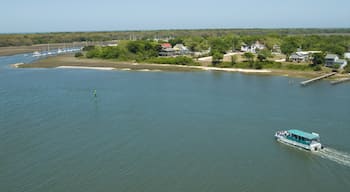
317	78
340	81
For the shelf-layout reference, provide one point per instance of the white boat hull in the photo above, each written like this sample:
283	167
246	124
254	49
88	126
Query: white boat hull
315	146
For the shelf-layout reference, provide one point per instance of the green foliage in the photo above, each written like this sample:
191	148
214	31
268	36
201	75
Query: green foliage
249	57
271	65
318	59
79	54
234	59
264	54
218	45
335	66
225	65
196	43
175	41
299	67
88	48
347	68
143	49
317	68
181	60
261	57
131	50
217	58
289	45
308	39
96	52
258	65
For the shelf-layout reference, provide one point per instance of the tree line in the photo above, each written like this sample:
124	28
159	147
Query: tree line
270	36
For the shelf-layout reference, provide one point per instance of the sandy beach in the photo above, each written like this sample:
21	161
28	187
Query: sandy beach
70	62
81	67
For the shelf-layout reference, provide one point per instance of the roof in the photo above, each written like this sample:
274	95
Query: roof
347	55
180	47
341	61
166	45
331	56
303	134
297	56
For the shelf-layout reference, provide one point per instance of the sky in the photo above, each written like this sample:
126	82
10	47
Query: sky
26	16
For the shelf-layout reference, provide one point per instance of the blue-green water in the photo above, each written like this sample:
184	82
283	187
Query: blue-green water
166	131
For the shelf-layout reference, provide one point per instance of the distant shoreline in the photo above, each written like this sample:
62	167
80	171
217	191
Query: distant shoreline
14	50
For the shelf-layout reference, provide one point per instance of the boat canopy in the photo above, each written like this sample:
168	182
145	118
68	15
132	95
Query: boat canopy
303	134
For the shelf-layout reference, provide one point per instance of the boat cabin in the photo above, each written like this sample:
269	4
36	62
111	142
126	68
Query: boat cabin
302	137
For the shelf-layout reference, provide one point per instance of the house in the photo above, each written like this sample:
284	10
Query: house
166	45
302	56
180	49
342	63
347	55
299	57
330	60
276	49
252	48
167	52
259	45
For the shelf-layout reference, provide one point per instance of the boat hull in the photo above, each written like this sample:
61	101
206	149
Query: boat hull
311	147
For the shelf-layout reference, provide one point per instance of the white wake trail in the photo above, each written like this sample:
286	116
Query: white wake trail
335	155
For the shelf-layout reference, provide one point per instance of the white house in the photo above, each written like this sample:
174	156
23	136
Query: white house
302	56
347	55
333	59
181	49
298	57
252	48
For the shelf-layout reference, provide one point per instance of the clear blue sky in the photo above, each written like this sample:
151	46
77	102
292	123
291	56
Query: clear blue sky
96	15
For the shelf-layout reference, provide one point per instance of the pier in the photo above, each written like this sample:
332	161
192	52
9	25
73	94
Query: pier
304	83
340	81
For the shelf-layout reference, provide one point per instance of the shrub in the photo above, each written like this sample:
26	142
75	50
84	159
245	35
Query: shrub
88	48
79	54
317	68
181	60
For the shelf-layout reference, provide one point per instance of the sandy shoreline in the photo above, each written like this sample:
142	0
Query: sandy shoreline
100	64
18	65
82	67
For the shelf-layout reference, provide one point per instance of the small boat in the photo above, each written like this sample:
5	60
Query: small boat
294	137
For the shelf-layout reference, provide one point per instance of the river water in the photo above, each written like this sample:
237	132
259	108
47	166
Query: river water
167	131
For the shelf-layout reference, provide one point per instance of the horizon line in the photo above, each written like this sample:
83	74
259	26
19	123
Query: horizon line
178	29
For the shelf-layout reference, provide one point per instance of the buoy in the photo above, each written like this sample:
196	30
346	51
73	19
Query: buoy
95	93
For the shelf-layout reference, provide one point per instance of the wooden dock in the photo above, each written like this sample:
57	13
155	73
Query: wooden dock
317	78
340	81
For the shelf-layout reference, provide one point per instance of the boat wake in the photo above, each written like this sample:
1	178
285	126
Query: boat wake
335	155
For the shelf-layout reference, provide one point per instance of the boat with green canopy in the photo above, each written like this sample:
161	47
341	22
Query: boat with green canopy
298	138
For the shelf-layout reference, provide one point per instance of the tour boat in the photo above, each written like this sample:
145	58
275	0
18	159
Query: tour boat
294	137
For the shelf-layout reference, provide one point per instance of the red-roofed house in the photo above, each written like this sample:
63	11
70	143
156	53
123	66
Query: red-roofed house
166	45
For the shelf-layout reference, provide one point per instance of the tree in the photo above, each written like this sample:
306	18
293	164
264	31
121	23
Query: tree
249	57
289	46
218	45
217	58
261	57
79	54
317	59
234	59
347	67
175	41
